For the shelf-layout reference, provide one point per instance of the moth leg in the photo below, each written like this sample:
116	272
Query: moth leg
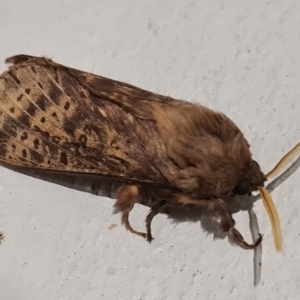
126	196
227	224
216	208
155	209
240	240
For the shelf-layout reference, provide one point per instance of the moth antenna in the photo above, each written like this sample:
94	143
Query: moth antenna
284	161
267	199
274	218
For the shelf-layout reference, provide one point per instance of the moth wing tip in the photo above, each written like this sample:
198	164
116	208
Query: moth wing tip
16	59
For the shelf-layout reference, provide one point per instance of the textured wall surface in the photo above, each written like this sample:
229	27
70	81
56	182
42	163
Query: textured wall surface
241	58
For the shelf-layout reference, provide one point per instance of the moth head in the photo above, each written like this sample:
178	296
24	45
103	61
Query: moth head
251	179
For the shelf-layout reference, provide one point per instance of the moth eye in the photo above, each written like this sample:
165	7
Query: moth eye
242	188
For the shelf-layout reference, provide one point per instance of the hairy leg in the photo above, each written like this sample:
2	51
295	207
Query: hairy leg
126	196
156	209
227	224
216	208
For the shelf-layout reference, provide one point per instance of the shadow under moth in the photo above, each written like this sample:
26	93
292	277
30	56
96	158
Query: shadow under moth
172	152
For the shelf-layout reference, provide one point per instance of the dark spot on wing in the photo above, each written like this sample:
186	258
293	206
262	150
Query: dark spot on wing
63	158
31	109
36	128
45	134
3	136
69	86
42	102
68	127
36	143
24	136
55	93
54	115
36	157
67	105
19	98
10	128
24	119
24	153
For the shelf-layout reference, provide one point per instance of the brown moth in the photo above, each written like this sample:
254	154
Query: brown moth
53	117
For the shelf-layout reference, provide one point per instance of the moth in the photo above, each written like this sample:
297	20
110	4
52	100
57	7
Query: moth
175	153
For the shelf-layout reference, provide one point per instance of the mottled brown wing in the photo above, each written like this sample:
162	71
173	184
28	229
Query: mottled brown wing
57	118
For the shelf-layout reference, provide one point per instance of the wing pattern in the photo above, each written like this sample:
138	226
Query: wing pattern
57	118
